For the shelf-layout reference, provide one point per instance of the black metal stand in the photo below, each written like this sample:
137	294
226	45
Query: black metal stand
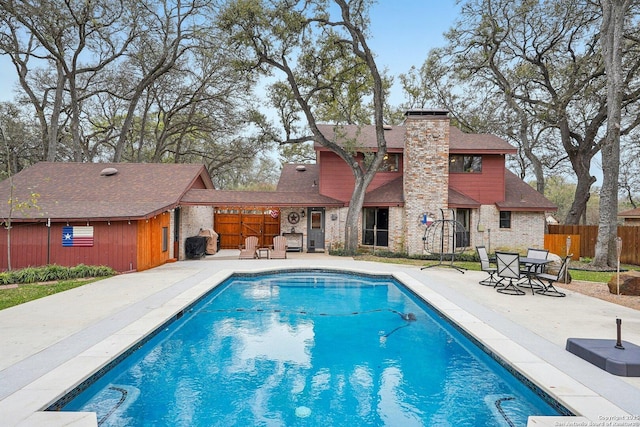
443	231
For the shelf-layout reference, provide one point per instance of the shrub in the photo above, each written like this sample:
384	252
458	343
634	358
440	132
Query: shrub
51	273
55	272
80	271
6	278
26	275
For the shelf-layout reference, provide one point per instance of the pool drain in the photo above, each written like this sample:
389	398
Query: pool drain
303	412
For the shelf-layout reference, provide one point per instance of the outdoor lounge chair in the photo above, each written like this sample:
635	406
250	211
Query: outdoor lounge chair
485	265
550	279
509	268
279	250
248	250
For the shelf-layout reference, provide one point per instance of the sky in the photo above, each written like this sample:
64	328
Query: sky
403	32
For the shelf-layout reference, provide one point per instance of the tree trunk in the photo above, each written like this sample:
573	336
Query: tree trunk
52	150
580	199
613	15
353	214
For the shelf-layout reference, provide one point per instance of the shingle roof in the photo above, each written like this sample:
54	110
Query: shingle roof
459	142
390	194
365	135
256	198
459	200
520	196
301	178
296	187
631	213
78	191
481	143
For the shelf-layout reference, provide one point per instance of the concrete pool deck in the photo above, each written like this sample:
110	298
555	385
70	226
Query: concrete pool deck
50	345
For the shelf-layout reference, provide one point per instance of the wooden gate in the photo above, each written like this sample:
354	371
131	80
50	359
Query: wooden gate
233	225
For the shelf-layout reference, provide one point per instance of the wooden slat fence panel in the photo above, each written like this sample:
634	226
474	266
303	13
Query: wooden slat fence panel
589	234
557	244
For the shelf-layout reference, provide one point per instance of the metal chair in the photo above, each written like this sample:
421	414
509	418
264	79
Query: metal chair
549	289
485	265
538	253
509	268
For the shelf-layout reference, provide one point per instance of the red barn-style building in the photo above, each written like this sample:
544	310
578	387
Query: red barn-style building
125	212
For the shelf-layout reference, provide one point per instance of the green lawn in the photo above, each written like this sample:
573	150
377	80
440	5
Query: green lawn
25	293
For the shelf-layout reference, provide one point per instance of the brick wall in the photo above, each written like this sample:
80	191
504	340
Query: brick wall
527	230
426	177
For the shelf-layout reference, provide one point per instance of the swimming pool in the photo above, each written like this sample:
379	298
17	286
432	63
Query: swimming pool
309	348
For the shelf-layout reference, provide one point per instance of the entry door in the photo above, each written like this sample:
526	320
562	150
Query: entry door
315	229
463	217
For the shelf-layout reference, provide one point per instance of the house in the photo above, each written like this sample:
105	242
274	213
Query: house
630	217
431	169
121	215
137	216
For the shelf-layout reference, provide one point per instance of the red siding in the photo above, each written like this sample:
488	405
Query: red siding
486	187
114	246
336	178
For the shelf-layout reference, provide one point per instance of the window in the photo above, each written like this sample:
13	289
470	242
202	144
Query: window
505	219
165	239
390	163
465	164
375	226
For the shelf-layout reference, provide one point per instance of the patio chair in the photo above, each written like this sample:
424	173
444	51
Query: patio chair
509	268
485	265
248	250
550	279
538	253
279	250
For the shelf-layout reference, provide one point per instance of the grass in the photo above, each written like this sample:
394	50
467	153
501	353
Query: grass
30	292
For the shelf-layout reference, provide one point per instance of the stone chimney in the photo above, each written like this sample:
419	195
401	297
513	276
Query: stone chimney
426	171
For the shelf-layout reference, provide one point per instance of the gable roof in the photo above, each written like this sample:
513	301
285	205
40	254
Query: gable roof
520	196
78	191
459	142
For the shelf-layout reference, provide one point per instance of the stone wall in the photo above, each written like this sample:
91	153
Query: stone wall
192	219
426	172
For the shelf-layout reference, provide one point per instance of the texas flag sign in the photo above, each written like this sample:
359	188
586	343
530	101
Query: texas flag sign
77	236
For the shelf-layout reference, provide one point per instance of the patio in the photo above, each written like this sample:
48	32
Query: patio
49	344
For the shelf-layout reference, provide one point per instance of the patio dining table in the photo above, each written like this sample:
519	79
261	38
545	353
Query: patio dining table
531	267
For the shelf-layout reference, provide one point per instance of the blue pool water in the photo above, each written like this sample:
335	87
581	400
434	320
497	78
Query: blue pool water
309	349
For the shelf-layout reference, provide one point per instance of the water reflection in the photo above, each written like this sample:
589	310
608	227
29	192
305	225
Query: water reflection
271	340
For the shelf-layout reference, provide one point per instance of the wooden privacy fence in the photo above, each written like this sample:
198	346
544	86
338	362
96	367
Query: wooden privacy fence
588	234
557	244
